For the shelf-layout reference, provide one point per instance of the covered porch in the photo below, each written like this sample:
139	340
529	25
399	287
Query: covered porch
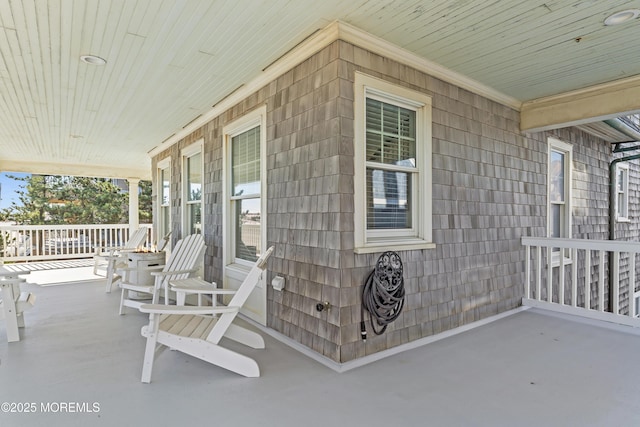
532	367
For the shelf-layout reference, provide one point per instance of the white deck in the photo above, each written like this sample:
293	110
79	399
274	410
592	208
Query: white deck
529	369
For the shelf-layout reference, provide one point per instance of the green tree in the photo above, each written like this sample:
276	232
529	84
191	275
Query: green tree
92	201
46	199
34	199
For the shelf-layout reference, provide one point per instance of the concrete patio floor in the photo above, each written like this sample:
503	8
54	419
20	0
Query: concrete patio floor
528	369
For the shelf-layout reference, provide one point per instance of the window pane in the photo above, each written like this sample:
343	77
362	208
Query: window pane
391	134
164	178
194	217
621	209
620	180
164	221
556	224
556	178
194	177
388	199
247	221
245	160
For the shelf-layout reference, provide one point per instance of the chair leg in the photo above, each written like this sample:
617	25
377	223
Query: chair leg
150	348
122	301
109	279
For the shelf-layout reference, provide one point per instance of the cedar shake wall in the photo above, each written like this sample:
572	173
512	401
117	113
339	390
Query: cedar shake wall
489	190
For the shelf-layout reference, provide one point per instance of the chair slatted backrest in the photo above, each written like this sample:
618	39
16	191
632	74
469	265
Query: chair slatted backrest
184	256
240	297
136	239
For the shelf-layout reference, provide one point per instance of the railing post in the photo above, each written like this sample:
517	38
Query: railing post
134	222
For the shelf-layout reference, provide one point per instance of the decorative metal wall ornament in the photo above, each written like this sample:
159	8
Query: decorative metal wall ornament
383	293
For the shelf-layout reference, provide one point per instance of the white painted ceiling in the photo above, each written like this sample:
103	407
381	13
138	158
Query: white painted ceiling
169	61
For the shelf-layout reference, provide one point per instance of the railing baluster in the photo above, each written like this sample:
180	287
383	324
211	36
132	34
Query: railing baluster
587	279
632	284
561	277
549	274
615	298
574	277
601	282
527	266
538	272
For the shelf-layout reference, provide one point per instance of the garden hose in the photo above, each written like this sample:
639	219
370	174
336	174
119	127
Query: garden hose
383	294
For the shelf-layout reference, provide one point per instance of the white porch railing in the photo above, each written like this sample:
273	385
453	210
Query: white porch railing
48	242
572	276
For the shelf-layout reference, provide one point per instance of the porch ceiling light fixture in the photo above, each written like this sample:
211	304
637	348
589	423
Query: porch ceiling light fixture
622	17
92	60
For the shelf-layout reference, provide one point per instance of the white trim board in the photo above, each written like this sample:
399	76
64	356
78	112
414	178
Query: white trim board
347	366
337	30
603	318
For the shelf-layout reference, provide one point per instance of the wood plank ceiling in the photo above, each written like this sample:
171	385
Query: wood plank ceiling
170	61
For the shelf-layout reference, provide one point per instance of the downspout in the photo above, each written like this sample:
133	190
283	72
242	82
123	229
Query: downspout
632	133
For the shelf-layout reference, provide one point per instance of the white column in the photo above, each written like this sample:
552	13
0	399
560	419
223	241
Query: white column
134	223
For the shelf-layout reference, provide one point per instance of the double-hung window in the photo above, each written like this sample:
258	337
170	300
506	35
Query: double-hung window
559	188
559	195
164	197
245	179
392	167
622	192
192	188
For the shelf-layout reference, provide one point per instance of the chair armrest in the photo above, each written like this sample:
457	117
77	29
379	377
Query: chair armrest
169	273
202	290
182	309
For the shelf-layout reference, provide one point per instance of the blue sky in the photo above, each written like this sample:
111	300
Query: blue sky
8	188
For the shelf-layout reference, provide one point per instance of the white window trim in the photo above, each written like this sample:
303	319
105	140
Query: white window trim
636	306
421	236
237	267
557	145
185	153
161	165
624	217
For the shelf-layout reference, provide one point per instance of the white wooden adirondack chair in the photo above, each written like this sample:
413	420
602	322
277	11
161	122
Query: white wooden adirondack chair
183	262
13	303
195	330
111	258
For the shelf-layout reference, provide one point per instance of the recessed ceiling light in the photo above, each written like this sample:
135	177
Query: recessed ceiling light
93	60
622	16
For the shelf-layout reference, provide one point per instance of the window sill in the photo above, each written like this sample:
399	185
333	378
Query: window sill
394	245
239	272
623	220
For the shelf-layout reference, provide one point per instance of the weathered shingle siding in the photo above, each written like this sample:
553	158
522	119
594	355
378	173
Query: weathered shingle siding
489	190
